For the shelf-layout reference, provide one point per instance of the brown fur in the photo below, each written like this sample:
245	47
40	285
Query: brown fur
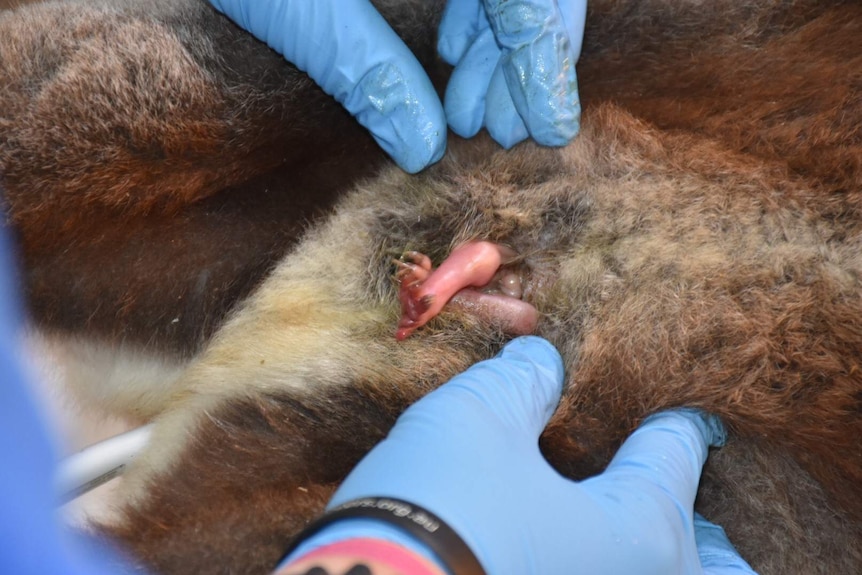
698	244
187	133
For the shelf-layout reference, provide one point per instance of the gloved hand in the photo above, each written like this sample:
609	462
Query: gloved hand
352	53
514	68
33	541
468	452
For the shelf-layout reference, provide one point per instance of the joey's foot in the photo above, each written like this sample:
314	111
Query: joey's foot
472	277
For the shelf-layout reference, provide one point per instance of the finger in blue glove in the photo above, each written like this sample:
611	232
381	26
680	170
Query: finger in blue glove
513	394
469	453
524	83
351	52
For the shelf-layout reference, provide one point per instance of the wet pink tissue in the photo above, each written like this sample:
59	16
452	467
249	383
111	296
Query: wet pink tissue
460	278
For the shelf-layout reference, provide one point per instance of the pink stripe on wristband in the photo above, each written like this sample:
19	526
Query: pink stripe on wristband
421	524
377	550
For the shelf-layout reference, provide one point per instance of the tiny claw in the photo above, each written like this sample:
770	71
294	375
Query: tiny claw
424	290
409	273
413	305
418	258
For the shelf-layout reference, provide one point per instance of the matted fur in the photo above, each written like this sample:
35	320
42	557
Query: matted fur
698	244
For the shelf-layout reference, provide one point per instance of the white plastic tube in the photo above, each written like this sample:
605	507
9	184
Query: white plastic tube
99	463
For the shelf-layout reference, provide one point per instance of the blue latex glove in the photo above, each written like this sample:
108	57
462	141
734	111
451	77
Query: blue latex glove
31	537
352	53
514	68
468	452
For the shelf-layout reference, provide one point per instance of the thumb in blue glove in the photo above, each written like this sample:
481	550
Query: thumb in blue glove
468	452
351	52
514	68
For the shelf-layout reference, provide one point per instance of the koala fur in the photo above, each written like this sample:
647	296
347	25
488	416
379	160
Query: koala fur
180	192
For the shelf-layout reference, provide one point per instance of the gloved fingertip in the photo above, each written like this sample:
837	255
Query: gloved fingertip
717	429
522	385
466	92
537	351
554	122
397	103
558	133
508	138
464	121
502	119
414	159
709	425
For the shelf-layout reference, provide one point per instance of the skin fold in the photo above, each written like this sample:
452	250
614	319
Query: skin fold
178	191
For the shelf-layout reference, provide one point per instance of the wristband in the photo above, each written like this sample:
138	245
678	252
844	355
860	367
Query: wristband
416	521
377	555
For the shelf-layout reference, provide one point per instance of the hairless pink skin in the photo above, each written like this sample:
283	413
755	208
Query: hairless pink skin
425	291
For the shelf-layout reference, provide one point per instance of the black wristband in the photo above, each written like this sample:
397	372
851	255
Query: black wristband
418	522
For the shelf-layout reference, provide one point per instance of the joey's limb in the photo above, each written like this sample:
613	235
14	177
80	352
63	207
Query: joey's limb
424	291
